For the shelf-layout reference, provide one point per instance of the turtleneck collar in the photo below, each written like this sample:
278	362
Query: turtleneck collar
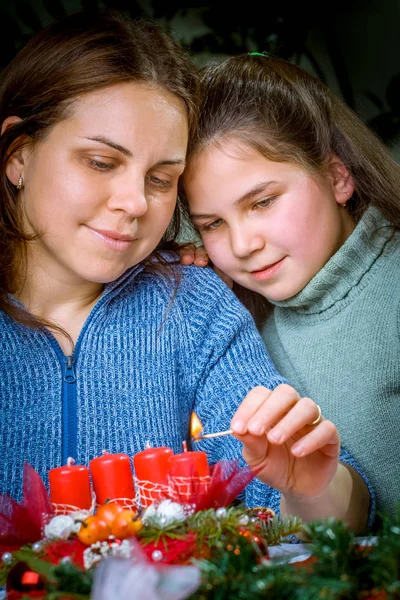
346	268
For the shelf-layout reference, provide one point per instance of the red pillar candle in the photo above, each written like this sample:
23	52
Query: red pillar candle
70	486
189	464
190	474
112	477
151	468
152	464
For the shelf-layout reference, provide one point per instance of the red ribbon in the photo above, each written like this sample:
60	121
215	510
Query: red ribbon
23	523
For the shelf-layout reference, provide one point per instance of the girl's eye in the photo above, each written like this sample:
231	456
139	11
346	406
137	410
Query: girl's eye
100	165
265	202
211	226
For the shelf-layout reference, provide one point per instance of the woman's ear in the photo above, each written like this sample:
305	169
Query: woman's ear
15	164
342	181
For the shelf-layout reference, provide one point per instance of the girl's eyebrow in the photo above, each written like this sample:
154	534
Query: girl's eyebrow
257	189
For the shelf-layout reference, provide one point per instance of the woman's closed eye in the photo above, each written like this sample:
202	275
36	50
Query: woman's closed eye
100	165
158	182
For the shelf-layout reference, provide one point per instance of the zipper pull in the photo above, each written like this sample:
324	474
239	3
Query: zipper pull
69	372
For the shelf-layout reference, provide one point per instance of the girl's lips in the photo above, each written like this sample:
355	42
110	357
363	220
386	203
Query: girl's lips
267	272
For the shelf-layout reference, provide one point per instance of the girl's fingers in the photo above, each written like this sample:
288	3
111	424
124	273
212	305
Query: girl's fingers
268	413
252	402
301	414
200	257
187	254
323	436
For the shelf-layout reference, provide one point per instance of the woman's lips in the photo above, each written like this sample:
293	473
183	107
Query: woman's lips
113	239
268	271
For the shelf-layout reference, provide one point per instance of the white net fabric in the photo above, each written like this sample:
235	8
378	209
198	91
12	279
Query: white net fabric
178	489
149	492
65	509
125	502
69	509
184	488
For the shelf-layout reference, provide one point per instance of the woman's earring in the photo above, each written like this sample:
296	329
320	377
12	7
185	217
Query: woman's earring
343	205
20	183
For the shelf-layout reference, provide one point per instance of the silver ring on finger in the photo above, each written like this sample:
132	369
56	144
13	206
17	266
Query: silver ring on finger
318	420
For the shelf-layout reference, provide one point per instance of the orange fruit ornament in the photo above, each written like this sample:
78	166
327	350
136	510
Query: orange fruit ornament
93	529
126	524
107	512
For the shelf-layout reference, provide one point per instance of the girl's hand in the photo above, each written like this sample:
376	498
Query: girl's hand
288	452
192	255
197	255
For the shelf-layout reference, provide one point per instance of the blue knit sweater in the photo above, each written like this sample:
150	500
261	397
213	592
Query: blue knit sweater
140	367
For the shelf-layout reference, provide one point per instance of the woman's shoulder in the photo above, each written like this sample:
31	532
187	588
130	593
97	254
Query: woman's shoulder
190	289
183	281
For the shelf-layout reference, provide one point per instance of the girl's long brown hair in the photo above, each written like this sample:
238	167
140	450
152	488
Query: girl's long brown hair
287	115
74	56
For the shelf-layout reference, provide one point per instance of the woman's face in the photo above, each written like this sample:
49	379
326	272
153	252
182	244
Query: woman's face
270	226
102	186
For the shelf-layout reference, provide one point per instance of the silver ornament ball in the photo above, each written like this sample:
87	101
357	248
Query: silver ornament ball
66	560
7	558
157	555
37	546
253	519
244	520
220	513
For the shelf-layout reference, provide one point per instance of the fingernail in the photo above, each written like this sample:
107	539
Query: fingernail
256	428
276	435
238	426
298	450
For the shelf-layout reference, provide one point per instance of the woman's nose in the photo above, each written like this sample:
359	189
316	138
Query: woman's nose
129	198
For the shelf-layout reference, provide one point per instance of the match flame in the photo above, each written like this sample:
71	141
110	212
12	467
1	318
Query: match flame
196	427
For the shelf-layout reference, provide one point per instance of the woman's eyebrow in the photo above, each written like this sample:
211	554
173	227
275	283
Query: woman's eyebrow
126	152
108	142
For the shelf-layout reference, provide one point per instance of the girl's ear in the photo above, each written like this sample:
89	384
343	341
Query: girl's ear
342	181
15	164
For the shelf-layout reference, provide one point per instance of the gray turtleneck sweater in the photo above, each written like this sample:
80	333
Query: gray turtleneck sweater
338	342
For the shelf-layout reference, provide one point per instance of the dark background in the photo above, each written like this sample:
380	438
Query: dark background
353	46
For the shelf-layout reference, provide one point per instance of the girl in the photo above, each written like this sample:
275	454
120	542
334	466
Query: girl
97	340
298	202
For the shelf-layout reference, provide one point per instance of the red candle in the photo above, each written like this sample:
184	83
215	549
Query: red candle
189	464
70	486
151	468
152	464
112	477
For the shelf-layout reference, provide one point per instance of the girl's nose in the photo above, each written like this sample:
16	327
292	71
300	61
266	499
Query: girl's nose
245	241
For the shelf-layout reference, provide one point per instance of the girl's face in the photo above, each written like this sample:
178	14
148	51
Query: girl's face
102	186
270	226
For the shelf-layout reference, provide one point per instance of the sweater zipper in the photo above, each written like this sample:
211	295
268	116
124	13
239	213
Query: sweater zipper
69	409
69	391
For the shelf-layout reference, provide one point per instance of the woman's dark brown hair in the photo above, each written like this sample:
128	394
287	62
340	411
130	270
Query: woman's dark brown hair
285	114
77	55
